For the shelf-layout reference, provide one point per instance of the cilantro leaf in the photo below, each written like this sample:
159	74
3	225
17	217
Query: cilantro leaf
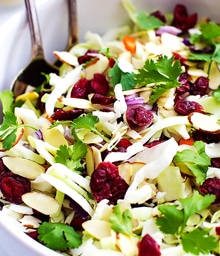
121	222
163	73
174	221
159	90
7	100
71	156
124	78
198	241
171	219
148	22
195	203
58	236
87	121
197	162
210	30
8	130
200	56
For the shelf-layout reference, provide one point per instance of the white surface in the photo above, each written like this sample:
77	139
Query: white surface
15	52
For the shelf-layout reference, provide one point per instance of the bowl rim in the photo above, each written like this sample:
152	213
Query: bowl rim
8	228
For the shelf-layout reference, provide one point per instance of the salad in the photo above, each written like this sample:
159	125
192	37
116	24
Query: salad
119	154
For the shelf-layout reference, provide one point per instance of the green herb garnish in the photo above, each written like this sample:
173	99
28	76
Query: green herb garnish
173	220
148	22
59	236
71	156
161	74
121	221
124	78
197	161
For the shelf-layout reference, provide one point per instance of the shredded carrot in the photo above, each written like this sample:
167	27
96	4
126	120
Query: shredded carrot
189	141
49	118
129	43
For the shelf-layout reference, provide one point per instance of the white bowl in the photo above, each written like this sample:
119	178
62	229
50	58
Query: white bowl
15	52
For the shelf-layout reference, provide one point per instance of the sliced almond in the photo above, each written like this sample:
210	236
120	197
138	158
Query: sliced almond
126	244
67	58
23	167
90	165
97	228
98	66
214	75
204	122
41	202
54	136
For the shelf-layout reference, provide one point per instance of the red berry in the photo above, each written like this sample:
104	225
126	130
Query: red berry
148	247
106	183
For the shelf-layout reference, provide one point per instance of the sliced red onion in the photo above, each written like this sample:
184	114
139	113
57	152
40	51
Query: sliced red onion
38	134
186	41
68	135
134	99
82	213
168	29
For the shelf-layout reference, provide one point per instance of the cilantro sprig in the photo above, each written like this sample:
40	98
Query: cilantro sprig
197	161
121	221
173	220
209	37
72	155
59	236
124	78
84	121
89	122
148	22
10	125
162	74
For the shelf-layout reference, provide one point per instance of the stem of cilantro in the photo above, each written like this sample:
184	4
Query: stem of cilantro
209	67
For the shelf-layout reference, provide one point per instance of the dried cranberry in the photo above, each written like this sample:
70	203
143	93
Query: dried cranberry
99	84
206	137
106	183
81	89
124	143
40	216
179	57
138	116
211	186
200	86
183	88
111	62
153	143
77	222
61	114
13	187
158	14
33	234
215	162
181	18
101	99
148	247
87	56
184	107
217	231
3	168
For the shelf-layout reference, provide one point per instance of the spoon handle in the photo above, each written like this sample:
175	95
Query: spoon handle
36	41
73	28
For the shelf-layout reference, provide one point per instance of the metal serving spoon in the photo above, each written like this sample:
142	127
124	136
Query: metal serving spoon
32	73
